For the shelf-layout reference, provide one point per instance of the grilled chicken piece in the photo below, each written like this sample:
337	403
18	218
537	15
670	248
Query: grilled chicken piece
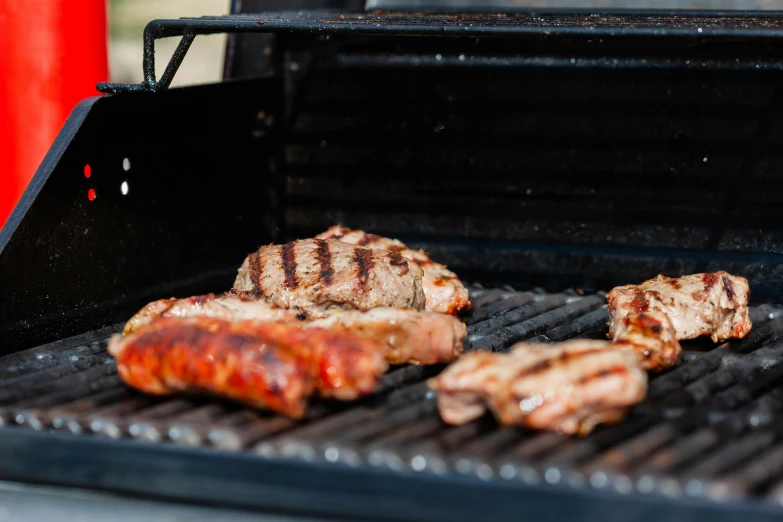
651	336
405	335
444	291
569	387
271	366
699	304
316	275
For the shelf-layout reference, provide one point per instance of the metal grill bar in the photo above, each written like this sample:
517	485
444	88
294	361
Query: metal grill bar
470	26
708	426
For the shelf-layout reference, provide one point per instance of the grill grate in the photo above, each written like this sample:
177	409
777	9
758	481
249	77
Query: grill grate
709	427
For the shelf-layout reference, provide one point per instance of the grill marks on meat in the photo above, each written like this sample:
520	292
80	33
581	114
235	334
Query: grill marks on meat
570	387
289	265
255	265
270	366
325	260
699	304
651	336
402	335
444	292
365	263
315	276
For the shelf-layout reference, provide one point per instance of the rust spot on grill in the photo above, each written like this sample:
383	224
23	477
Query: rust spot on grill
289	265
365	263
729	288
324	256
639	303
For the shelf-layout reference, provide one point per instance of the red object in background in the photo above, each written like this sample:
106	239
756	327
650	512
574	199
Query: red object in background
52	53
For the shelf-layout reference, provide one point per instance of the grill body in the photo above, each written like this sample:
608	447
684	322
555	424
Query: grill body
565	153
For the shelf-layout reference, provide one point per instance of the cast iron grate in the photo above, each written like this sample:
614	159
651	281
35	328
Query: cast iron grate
710	427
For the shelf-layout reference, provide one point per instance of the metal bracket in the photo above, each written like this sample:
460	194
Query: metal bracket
694	25
152	32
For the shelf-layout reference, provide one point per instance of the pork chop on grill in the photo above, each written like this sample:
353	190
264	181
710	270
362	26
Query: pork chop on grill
272	366
699	304
444	292
316	275
568	387
651	336
404	335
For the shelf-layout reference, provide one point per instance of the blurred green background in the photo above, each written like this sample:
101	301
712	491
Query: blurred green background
127	19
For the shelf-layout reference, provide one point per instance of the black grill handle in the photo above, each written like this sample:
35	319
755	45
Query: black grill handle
687	27
187	29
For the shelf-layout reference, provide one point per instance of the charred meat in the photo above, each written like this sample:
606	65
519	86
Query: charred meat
651	336
405	336
271	366
316	275
699	304
444	292
569	387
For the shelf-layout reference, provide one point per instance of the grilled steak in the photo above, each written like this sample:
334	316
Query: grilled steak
651	336
271	366
699	304
405	335
316	275
570	387
444	291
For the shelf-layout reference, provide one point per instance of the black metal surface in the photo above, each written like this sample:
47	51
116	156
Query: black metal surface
583	178
69	265
679	444
754	27
581	5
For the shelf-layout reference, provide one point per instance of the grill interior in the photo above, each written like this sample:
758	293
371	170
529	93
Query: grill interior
708	427
565	152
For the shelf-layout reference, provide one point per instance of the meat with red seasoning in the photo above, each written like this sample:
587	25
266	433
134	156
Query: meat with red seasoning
405	336
698	304
271	366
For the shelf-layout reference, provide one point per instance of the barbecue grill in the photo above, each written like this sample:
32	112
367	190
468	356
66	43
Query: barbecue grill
545	157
